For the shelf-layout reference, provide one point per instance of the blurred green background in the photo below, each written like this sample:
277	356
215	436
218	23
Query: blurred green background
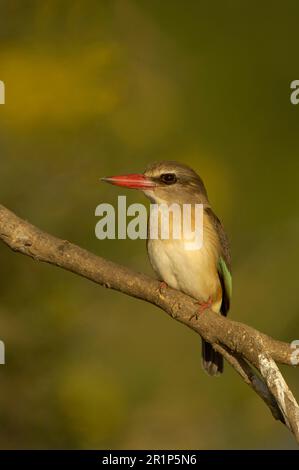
101	87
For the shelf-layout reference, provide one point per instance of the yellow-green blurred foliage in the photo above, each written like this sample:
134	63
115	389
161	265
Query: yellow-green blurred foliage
101	87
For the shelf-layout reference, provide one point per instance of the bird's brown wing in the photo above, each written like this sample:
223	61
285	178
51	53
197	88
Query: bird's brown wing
223	240
224	262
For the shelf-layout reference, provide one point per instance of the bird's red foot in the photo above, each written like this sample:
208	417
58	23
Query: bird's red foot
202	306
205	305
162	287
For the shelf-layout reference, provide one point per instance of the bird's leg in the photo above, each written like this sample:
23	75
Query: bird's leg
202	307
162	286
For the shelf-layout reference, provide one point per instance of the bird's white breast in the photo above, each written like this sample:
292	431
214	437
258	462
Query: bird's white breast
193	272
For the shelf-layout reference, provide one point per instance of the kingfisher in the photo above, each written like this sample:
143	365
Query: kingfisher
204	273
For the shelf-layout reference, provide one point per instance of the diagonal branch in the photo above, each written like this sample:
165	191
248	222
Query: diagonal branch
244	347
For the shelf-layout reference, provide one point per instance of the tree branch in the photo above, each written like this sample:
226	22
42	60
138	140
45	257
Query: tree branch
242	346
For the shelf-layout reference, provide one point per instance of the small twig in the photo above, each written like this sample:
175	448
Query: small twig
251	378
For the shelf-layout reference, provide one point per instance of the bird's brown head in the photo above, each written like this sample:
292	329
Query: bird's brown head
165	181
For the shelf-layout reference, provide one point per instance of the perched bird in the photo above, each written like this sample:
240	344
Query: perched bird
204	274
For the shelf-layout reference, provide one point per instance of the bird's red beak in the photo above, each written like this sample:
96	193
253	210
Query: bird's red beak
133	181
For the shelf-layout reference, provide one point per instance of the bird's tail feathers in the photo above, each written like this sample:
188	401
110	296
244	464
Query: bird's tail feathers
212	360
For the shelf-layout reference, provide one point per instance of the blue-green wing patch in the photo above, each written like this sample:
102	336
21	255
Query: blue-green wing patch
226	284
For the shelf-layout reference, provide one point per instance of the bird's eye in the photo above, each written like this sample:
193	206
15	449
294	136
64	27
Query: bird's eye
168	178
